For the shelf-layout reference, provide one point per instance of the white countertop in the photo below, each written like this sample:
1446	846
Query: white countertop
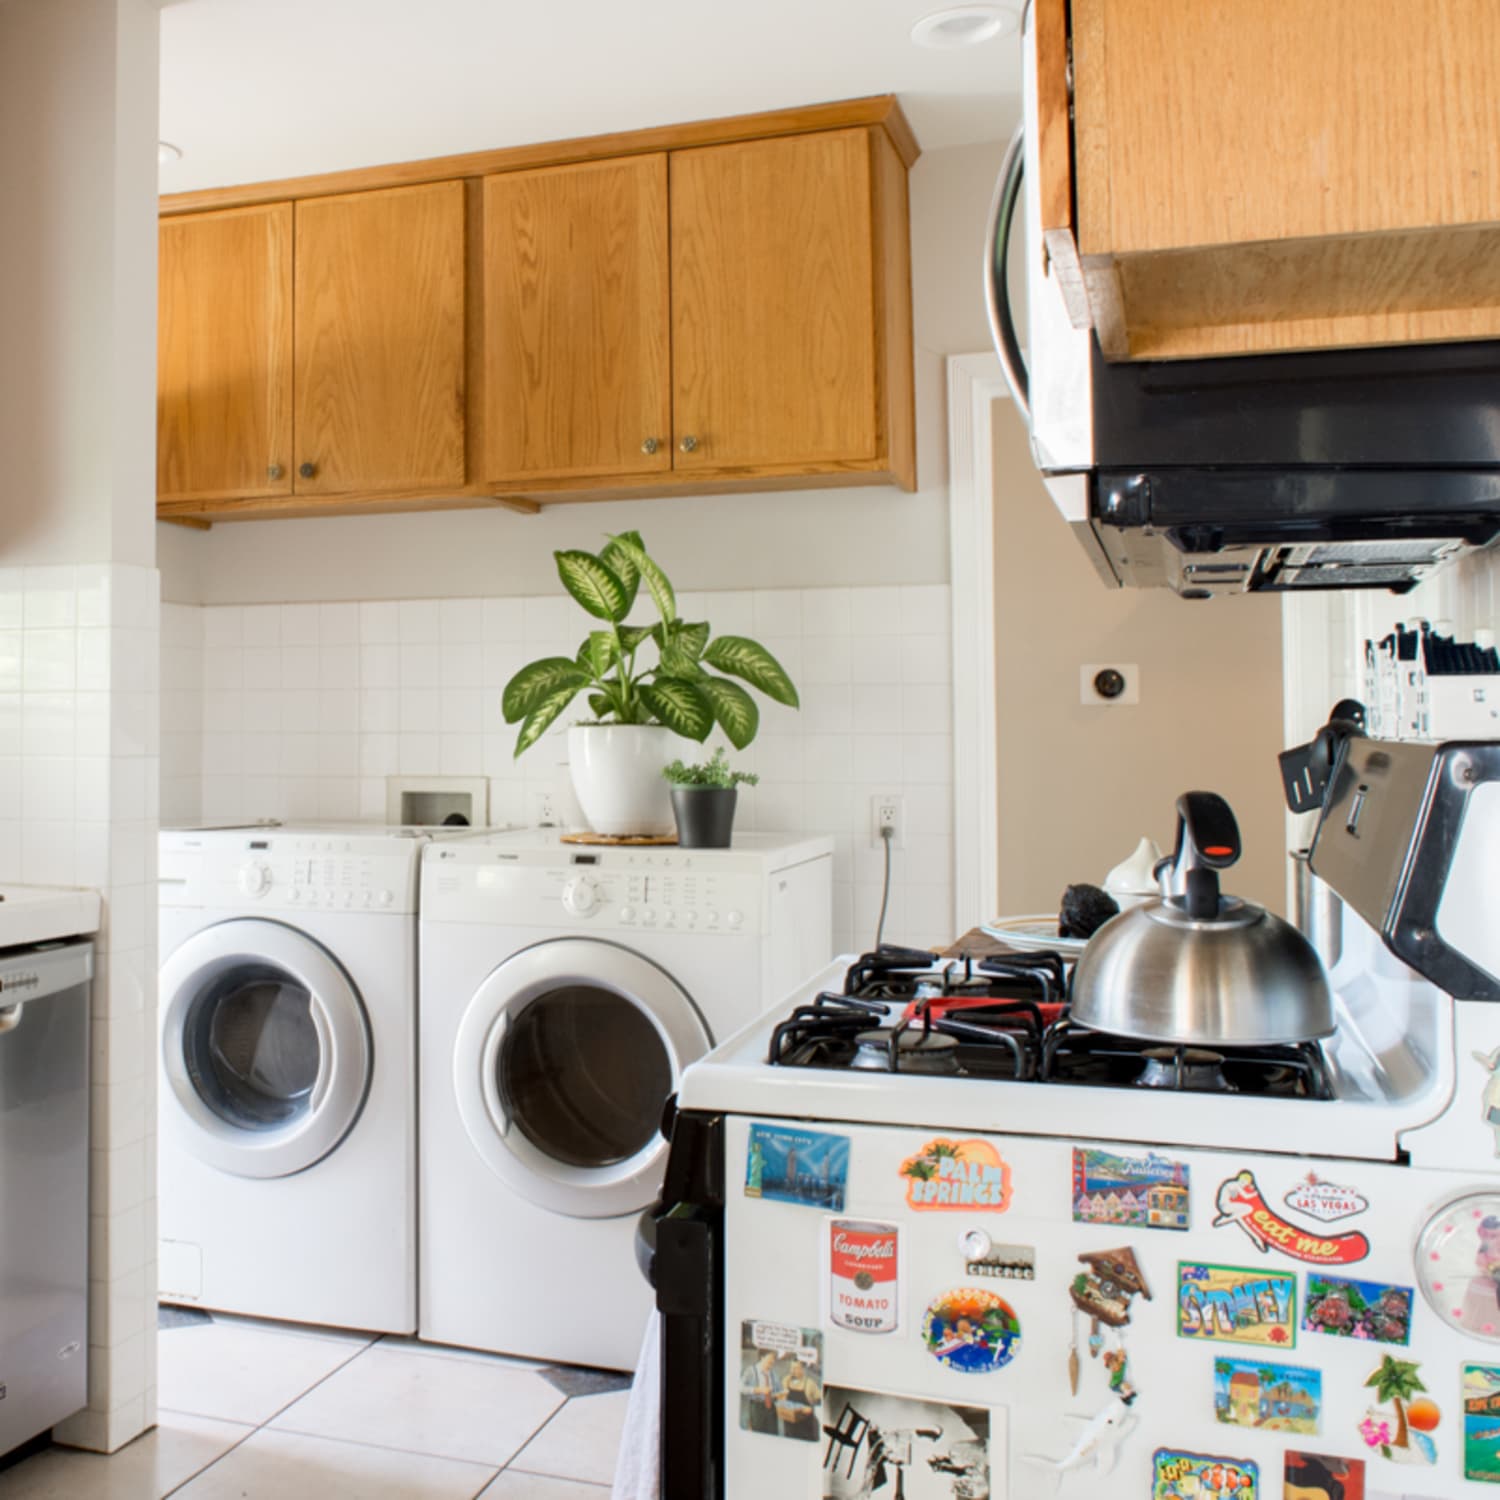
42	913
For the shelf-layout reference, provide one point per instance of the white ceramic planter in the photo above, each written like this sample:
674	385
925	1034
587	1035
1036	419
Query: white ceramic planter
616	770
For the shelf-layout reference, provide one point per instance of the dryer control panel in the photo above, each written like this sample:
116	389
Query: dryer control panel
524	880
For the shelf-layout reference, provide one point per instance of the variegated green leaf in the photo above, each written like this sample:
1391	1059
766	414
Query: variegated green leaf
733	707
534	684
675	662
629	573
651	575
632	635
750	660
599	653
691	638
594	584
601	705
680	706
540	719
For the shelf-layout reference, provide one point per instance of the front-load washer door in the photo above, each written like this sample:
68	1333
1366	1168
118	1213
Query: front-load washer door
265	1048
563	1061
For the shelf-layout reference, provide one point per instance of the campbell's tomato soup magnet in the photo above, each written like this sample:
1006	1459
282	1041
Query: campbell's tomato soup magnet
863	1275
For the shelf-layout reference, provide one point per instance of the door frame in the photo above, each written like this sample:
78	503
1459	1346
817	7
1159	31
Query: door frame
975	383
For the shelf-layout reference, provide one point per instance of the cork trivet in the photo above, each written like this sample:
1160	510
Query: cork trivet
650	839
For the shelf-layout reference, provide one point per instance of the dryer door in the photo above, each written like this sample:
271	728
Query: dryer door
265	1048
563	1061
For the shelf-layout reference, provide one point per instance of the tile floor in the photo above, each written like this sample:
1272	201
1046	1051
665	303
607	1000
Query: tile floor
265	1411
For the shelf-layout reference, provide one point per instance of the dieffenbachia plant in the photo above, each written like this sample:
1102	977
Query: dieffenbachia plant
678	690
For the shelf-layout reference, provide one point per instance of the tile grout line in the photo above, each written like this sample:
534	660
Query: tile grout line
260	1427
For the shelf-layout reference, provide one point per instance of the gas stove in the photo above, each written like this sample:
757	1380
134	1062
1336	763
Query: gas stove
902	1010
917	1166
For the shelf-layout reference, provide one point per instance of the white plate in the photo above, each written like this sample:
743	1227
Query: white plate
1032	934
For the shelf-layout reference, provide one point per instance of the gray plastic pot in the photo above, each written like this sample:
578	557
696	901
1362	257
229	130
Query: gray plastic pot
705	816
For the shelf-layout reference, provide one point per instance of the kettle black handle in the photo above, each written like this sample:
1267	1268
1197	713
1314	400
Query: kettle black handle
1207	834
1208	838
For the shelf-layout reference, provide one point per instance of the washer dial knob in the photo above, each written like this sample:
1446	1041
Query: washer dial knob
581	897
255	878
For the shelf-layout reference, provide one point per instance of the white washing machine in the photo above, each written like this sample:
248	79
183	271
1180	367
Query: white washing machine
287	1149
564	990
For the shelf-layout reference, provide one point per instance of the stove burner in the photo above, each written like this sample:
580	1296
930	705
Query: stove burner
905	1051
1192	1068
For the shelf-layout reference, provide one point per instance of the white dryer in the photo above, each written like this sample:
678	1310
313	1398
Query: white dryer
564	989
287	1150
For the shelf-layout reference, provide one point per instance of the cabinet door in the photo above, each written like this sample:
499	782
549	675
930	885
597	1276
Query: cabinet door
380	340
224	354
773	304
576	320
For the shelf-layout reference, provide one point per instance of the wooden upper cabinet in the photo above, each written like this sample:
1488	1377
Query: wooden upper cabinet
380	341
719	305
224	354
773	303
576	321
1284	175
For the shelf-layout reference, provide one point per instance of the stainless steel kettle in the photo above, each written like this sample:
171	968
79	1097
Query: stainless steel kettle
1198	967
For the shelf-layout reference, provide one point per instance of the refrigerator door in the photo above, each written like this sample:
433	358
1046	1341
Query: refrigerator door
1082	1319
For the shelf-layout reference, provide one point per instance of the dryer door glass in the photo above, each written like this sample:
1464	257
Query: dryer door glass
583	1074
251	1048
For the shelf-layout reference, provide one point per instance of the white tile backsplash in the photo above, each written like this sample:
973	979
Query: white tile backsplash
303	710
86	734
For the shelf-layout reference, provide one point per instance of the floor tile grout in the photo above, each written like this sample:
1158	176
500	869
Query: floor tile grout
440	1352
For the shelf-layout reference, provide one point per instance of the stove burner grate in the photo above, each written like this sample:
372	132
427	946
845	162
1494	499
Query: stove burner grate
1073	1054
1191	1068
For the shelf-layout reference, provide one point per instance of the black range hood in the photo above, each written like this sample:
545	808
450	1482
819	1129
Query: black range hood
1348	469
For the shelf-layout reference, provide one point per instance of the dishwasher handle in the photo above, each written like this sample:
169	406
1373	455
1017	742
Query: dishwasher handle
10	1016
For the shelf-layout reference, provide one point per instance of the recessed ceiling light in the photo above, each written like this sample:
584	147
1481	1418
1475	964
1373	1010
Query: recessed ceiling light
963	25
166	153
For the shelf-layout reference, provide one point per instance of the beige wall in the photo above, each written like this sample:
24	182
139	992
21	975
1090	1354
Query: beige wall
1079	785
800	539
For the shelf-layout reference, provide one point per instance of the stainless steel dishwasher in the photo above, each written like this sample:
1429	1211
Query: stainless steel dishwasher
44	1186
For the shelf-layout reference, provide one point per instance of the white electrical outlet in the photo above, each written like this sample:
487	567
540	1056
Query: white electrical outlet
541	807
888	810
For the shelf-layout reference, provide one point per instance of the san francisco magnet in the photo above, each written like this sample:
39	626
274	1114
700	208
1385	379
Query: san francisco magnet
1149	1192
972	1330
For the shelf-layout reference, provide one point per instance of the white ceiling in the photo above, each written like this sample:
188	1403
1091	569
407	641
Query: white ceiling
258	89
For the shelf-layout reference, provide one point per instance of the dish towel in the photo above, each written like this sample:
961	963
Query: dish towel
638	1469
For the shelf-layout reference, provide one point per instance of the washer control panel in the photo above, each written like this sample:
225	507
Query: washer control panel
291	871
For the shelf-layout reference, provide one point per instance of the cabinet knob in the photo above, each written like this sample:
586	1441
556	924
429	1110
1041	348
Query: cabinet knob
650	446
307	470
274	471
689	444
